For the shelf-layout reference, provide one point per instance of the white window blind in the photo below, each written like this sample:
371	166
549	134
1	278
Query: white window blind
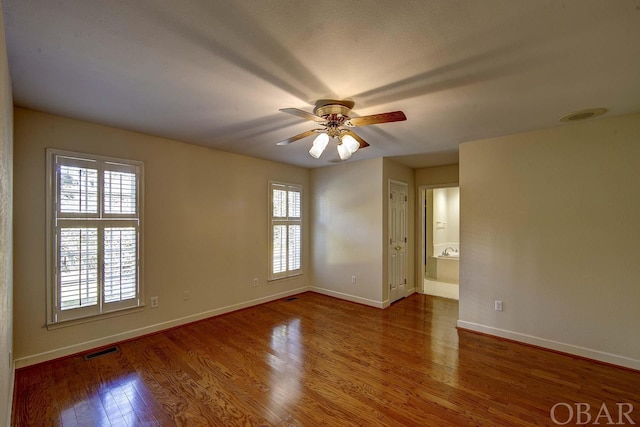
94	225
78	262
286	230
120	263
78	190
120	192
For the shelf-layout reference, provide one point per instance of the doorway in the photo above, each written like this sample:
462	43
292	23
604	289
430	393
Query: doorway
440	260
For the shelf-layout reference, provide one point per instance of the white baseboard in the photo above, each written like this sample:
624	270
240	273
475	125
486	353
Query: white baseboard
112	339
348	297
587	353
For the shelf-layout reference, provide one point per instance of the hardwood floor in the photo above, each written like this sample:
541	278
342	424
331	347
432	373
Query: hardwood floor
316	360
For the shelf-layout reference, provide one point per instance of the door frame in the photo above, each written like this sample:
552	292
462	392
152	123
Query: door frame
422	200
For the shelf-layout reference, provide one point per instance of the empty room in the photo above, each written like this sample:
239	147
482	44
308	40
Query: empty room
279	213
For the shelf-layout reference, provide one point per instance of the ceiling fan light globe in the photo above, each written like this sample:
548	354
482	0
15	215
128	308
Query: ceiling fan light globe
319	144
351	143
343	152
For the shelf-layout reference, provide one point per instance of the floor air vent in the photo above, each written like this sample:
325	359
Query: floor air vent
99	353
291	299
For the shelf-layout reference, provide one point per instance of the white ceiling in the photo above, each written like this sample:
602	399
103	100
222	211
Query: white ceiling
215	73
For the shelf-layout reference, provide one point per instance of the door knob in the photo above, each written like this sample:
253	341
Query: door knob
397	248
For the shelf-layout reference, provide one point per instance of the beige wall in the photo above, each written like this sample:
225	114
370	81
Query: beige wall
438	175
6	226
347	227
550	226
205	231
397	172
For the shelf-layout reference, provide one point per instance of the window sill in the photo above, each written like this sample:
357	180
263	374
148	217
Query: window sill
81	320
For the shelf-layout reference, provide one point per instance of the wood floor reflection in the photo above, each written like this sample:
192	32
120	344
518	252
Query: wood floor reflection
316	360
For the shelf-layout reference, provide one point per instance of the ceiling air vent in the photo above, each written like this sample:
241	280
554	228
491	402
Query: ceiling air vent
583	114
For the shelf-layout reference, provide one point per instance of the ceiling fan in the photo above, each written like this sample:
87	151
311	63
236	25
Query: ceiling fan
335	117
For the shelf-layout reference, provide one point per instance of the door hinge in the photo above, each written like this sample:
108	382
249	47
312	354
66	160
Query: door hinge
405	281
405	240
391	241
406	198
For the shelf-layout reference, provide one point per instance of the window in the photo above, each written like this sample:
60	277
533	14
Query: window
286	230
94	223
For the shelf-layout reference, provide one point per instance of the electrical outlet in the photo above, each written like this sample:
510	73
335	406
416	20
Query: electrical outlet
353	280
498	305
186	296
255	281
154	302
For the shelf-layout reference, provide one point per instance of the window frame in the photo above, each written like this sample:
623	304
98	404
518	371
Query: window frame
57	220
287	222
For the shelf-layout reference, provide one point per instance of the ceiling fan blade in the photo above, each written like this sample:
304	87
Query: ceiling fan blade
297	137
395	116
355	136
303	114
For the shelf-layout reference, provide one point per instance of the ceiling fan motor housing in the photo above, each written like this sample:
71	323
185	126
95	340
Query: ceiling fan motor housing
336	115
332	109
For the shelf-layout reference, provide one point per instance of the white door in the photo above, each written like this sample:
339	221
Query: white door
398	202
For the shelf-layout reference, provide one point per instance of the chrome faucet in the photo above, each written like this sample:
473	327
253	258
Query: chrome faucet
446	251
